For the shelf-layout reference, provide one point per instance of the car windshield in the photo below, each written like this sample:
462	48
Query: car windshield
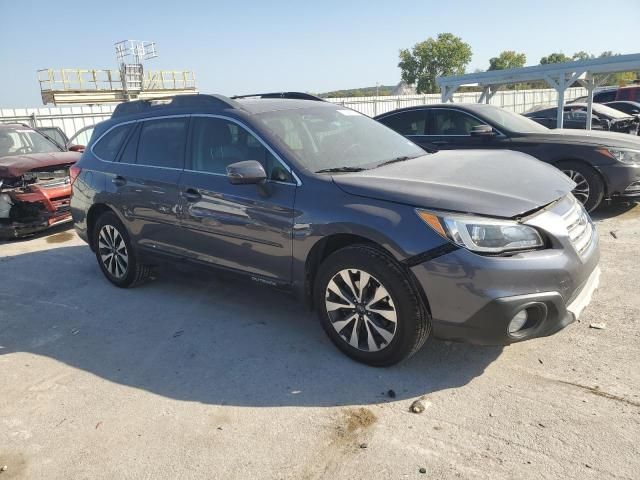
323	138
20	141
513	122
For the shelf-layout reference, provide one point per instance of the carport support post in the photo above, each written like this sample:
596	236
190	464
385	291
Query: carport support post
447	93
559	87
562	85
591	84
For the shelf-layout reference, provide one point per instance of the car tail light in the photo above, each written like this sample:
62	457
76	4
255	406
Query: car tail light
74	171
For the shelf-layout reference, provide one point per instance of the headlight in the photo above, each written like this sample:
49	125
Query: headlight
625	156
483	235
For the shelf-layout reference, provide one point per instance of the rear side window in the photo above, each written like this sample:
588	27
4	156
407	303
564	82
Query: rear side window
407	123
109	145
162	143
129	151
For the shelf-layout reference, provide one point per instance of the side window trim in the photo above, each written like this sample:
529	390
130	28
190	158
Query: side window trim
295	177
138	121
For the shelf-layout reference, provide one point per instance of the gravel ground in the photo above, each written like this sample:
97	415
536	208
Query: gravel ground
199	376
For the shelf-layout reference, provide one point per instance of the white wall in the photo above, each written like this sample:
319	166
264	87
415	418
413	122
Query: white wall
73	118
69	119
518	101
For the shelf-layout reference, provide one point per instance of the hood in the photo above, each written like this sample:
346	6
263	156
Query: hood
498	183
17	165
596	138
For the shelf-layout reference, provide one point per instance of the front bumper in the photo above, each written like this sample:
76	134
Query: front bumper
489	326
18	229
621	179
473	298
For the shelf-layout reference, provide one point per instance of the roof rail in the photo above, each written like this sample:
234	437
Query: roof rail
176	101
289	95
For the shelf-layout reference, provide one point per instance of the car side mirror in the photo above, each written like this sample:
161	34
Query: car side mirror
247	172
482	131
77	148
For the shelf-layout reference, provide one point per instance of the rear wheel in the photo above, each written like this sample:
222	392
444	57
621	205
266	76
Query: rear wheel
116	257
589	188
369	307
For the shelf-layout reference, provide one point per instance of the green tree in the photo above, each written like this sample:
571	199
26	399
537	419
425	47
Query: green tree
444	55
554	58
620	78
582	55
507	59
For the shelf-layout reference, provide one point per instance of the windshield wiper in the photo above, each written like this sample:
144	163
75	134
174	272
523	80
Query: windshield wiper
396	160
340	170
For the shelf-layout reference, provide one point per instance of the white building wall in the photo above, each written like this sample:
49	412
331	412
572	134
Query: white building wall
72	118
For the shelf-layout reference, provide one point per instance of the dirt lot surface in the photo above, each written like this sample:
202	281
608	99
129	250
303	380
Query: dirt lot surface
198	376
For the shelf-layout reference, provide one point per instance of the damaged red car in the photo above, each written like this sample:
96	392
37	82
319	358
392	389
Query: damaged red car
35	183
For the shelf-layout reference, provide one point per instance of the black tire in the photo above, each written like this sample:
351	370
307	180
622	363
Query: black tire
135	273
578	171
412	325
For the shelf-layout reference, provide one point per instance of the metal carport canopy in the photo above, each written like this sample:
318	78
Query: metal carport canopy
559	76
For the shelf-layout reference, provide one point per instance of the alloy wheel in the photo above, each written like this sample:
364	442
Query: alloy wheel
361	310
581	192
113	251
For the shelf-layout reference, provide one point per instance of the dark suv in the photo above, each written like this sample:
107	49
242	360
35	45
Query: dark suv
386	242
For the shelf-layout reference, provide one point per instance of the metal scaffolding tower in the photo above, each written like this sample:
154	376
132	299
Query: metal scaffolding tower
129	82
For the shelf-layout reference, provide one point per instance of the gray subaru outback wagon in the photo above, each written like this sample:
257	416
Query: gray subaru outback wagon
389	244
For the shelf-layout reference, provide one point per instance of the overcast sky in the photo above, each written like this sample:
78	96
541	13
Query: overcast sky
237	47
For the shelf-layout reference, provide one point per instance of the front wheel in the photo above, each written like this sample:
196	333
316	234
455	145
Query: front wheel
589	188
369	307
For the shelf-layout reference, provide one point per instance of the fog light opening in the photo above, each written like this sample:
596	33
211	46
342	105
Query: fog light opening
526	319
633	188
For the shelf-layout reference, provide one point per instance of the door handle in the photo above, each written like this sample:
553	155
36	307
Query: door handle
191	195
440	142
119	181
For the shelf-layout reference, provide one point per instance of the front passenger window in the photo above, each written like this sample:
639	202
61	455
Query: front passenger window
162	142
452	122
217	143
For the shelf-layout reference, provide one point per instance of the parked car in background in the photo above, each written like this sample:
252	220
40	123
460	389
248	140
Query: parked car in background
626	106
603	164
630	93
575	116
77	141
34	181
609	94
386	241
56	134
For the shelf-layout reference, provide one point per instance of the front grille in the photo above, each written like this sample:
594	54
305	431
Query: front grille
579	227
